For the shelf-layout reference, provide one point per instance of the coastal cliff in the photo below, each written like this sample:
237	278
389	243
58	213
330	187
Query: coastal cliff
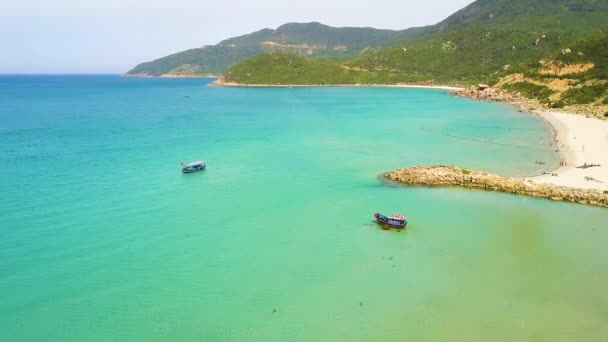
442	176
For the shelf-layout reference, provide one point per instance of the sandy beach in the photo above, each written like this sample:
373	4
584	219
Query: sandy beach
422	86
580	140
169	76
221	83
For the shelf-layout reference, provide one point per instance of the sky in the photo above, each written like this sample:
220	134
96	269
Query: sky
112	36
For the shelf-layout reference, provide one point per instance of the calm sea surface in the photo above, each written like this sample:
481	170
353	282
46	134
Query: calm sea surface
102	238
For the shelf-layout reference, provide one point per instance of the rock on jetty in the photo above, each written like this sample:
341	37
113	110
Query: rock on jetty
441	175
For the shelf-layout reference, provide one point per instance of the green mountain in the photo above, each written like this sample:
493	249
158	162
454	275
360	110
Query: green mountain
284	68
487	35
314	40
529	14
553	50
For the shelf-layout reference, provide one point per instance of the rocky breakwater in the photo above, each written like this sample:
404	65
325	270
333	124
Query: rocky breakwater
442	176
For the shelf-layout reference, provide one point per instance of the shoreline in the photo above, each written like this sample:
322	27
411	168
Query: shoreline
220	83
170	76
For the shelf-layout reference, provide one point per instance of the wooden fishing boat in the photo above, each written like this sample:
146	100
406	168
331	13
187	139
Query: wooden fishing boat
392	221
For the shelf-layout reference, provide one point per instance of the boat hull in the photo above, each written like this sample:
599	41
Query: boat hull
391	225
193	169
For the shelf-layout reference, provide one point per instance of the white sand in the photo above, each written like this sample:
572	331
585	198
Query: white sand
232	84
581	140
418	86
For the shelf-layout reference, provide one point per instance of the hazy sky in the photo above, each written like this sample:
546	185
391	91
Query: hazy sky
111	36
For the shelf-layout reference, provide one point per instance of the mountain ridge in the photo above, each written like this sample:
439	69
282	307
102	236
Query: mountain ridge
312	39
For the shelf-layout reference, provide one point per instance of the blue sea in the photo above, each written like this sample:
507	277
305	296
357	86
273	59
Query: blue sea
102	238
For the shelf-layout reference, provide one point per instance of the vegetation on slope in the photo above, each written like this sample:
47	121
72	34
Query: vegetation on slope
468	55
490	36
554	15
593	49
530	90
583	95
576	75
287	68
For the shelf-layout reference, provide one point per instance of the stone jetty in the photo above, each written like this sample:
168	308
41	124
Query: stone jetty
442	176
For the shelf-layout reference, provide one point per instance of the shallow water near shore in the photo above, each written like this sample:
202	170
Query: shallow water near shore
102	238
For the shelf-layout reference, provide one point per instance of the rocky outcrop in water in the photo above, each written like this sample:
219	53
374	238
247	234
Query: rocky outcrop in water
486	93
441	175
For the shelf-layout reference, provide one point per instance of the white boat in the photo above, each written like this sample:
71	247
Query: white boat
194	166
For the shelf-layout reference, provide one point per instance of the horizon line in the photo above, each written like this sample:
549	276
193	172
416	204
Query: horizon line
60	73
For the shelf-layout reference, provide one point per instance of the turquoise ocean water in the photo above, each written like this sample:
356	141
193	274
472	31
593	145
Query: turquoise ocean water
102	238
